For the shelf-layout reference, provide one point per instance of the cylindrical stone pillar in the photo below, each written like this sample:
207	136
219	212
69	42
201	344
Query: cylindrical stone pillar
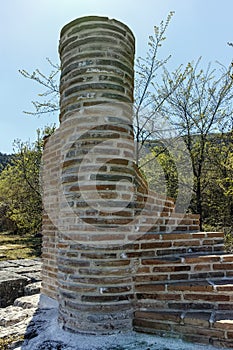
95	269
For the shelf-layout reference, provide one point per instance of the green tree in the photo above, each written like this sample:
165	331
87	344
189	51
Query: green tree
20	193
4	160
200	105
160	171
218	194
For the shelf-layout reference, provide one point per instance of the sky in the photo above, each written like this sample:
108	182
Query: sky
29	32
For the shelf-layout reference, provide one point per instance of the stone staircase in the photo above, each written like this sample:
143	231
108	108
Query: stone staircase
186	290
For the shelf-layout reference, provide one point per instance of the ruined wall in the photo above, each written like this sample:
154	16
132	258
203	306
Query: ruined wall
116	255
93	183
100	218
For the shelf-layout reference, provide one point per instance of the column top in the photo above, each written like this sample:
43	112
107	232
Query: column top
96	20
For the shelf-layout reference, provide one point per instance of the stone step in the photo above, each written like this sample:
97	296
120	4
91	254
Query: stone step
208	327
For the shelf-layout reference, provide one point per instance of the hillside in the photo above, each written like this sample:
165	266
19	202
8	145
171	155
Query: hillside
4	160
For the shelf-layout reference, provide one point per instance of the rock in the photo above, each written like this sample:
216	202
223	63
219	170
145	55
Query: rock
21	270
12	315
40	330
7	263
32	288
17	322
15	275
27	302
11	287
47	302
18	329
33	276
32	273
52	345
37	325
26	262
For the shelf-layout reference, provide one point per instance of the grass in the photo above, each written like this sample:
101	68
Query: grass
15	246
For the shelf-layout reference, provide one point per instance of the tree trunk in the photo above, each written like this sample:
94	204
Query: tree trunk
199	201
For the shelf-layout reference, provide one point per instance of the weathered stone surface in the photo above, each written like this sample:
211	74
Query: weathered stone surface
15	277
7	263
27	262
27	302
44	333
33	276
11	287
11	315
40	330
32	288
15	319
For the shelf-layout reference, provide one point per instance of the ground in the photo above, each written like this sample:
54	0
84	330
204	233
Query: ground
15	246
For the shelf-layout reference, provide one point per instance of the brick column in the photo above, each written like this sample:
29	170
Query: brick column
95	275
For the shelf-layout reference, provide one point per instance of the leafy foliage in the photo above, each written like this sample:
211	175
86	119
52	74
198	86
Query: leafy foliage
160	170
200	105
20	193
4	160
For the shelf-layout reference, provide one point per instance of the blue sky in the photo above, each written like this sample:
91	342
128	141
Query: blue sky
29	32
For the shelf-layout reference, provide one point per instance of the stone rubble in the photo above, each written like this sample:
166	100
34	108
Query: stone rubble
19	278
20	284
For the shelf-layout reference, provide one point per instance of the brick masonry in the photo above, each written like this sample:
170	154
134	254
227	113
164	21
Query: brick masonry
115	254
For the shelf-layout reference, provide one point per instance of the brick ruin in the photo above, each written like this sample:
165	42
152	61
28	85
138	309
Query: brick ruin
117	256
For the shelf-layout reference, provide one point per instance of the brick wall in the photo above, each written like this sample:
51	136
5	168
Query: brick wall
110	245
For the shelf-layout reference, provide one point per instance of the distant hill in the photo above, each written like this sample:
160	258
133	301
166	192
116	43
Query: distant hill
4	160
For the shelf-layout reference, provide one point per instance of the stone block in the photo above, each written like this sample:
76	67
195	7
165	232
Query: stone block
191	330
201	319
32	288
11	315
11	287
224	321
27	302
150	325
33	276
166	316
